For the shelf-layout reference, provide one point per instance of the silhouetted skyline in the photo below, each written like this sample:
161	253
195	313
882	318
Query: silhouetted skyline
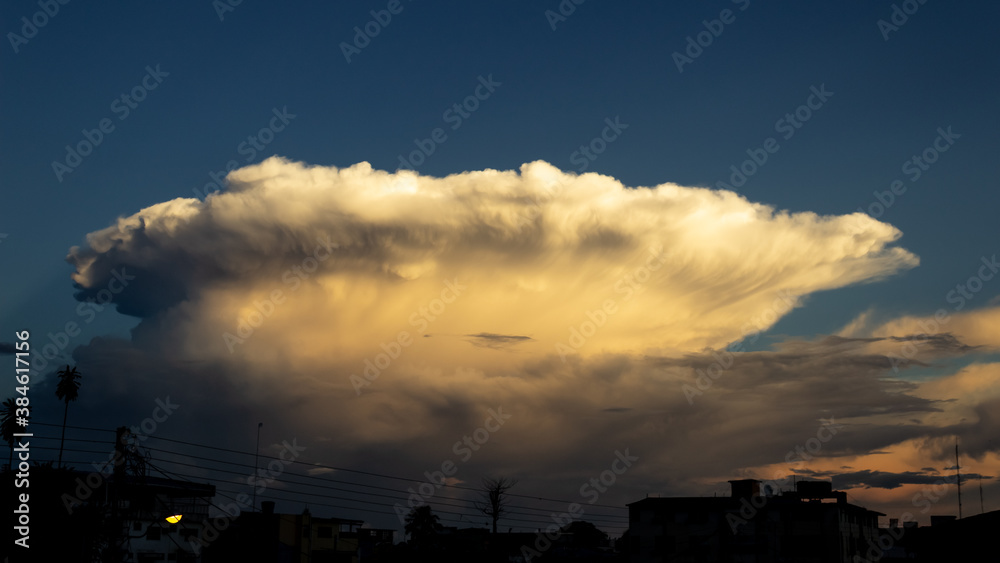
607	251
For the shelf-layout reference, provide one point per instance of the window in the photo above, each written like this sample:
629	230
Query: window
153	533
325	532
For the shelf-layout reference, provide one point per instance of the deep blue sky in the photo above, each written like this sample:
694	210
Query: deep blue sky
557	87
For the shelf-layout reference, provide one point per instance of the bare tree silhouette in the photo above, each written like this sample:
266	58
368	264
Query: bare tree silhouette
495	498
68	389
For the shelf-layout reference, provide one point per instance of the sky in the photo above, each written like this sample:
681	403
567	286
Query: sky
709	240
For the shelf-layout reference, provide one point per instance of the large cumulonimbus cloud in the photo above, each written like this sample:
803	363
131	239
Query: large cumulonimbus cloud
687	268
414	304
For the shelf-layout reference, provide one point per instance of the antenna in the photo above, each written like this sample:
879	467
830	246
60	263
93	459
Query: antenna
981	506
958	473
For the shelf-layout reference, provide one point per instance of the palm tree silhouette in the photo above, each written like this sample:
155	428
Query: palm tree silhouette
67	390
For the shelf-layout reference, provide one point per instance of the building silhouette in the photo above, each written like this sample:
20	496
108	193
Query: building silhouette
149	507
270	537
813	524
970	540
88	516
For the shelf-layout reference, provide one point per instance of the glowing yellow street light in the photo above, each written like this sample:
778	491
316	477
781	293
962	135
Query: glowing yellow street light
175	518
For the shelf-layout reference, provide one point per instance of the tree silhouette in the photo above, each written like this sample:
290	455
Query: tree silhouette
8	425
68	389
495	498
422	525
585	534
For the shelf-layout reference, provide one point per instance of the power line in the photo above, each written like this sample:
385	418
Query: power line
327	479
372	474
428	501
273	493
182	476
33	421
440	501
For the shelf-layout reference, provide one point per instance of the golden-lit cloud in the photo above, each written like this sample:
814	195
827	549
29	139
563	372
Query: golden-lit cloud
381	315
539	249
977	327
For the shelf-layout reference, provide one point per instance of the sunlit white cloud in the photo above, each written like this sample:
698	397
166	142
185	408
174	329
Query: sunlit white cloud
578	305
538	249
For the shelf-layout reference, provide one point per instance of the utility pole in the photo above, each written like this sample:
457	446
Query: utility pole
982	507
256	471
958	473
118	486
